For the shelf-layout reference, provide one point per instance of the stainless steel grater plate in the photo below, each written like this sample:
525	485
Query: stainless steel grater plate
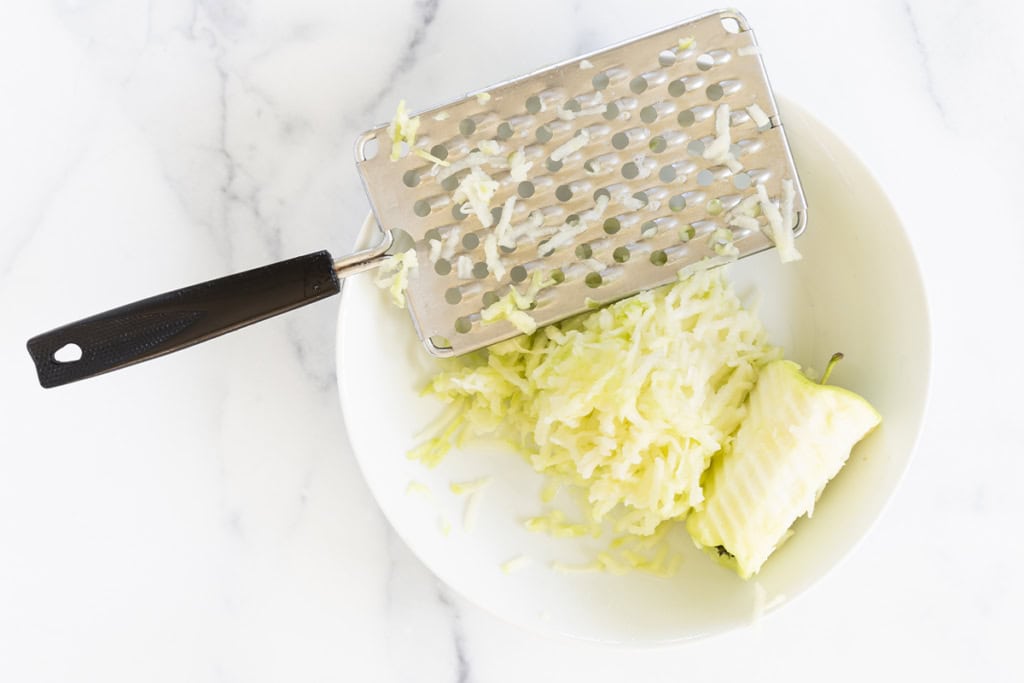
648	108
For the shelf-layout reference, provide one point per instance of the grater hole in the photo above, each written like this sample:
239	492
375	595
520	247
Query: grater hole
470	241
705	178
696	148
544	134
480	270
442	266
496	214
489	299
467	127
658	145
450	183
686	118
533	104
505	131
667	174
611	112
729	201
457	213
620	141
730	86
677	203
563	193
421	208
705	62
741	181
557	276
677	88
648	229
714	207
411	178
630	170
552	165
666	58
584	251
648	114
572	105
659	257
715	92
612	226
439	151
453	295
463	325
526	189
687	232
599	81
518	274
638	84
620	255
432	234
731	25
593	280
602	193
641	197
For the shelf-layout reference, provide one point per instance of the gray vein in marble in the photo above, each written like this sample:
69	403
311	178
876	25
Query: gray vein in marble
233	169
318	373
463	673
922	50
149	23
207	25
426	13
12	250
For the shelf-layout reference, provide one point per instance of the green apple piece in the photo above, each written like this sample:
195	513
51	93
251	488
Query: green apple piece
796	437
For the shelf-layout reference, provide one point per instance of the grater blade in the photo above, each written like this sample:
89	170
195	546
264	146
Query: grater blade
647	108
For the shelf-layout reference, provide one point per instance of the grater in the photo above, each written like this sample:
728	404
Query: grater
647	108
617	170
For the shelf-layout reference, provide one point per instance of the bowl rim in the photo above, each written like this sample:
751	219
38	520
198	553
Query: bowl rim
365	237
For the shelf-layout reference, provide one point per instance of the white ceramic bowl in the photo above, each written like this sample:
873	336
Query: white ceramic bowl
857	290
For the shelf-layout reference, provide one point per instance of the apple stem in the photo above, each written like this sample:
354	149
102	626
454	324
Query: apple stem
836	357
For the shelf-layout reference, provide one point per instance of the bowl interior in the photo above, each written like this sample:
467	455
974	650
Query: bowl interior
857	290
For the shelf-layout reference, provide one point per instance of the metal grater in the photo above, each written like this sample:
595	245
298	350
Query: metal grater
648	107
640	118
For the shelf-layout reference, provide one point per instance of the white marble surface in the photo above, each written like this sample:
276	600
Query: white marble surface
201	518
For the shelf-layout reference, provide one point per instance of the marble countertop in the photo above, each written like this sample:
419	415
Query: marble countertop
201	518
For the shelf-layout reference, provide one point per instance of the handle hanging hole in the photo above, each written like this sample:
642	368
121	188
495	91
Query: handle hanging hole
69	353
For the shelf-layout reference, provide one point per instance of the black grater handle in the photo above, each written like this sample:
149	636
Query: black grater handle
178	319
